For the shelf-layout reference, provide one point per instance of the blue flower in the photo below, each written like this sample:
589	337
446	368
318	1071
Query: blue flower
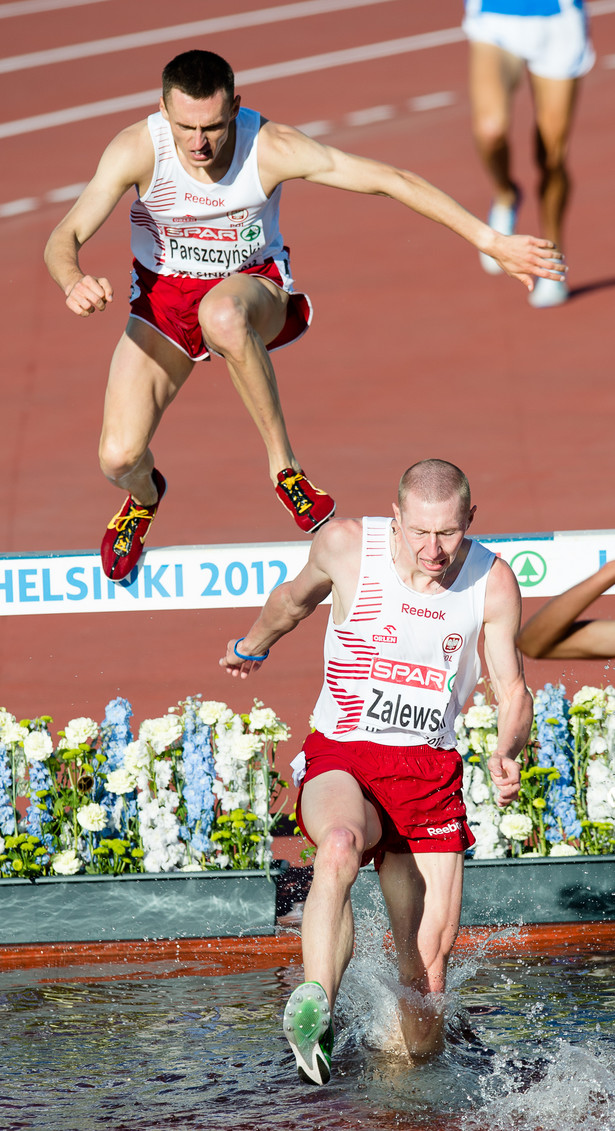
38	818
7	811
199	774
551	711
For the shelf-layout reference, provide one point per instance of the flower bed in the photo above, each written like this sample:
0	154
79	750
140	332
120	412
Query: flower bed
567	801
194	791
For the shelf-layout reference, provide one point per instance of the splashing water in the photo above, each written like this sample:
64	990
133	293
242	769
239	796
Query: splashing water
530	1047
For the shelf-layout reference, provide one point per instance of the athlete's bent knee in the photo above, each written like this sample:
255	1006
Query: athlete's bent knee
340	851
118	460
225	324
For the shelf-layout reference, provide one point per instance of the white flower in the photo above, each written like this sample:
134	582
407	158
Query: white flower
161	733
213	712
120	781
136	758
66	863
480	715
597	772
516	826
245	746
598	745
38	746
1	844
479	790
587	696
80	730
13	732
563	849
163	772
491	743
264	718
92	817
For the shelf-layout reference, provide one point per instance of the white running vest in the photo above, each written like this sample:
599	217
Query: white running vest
401	666
181	226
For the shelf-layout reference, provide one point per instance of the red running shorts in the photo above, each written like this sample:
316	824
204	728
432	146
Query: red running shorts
170	303
416	790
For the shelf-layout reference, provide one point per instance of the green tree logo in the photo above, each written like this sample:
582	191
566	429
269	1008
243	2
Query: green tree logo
529	568
251	233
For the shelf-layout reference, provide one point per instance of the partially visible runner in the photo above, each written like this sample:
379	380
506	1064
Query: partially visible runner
211	274
555	633
550	38
380	777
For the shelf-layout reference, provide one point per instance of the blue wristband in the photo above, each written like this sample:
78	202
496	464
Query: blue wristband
240	655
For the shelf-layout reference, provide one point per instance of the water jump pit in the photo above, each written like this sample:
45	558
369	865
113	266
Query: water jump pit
186	1034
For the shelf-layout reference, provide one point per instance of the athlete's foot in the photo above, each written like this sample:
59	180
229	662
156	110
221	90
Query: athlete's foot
502	218
548	292
309	506
309	1031
122	544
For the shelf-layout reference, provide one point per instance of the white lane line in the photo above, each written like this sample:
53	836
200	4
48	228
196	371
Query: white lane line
373	114
149	37
32	7
16	207
433	101
292	67
318	128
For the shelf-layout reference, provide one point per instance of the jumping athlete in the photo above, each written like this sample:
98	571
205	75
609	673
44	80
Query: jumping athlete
550	38
211	273
381	778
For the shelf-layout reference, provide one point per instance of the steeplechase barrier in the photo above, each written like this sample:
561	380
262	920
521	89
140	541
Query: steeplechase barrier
242	575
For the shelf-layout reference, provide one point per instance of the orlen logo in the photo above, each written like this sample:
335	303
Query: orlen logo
452	643
391	638
410	675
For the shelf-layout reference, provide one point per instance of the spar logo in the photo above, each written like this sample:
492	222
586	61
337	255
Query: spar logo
390	638
200	232
408	674
452	643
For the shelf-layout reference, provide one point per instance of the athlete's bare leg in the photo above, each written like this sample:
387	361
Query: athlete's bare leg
342	824
147	372
239	317
554	103
494	77
423	897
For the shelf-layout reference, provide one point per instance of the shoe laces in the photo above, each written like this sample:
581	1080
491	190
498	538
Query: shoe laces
120	521
296	494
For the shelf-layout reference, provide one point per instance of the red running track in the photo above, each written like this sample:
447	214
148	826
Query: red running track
414	352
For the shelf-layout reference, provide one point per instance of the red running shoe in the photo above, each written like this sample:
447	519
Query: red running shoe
122	544
309	507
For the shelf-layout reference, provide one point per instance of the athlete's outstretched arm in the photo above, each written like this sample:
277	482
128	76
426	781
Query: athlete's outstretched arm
285	153
555	633
288	604
505	665
123	164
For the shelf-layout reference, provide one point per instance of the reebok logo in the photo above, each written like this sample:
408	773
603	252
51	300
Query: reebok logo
452	827
428	614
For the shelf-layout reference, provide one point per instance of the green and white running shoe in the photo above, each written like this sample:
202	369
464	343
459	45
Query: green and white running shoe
309	1031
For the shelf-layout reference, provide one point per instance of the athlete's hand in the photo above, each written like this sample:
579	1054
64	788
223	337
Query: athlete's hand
506	777
523	257
88	294
234	665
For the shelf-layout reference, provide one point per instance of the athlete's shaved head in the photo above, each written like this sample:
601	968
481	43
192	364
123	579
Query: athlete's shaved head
199	74
435	481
